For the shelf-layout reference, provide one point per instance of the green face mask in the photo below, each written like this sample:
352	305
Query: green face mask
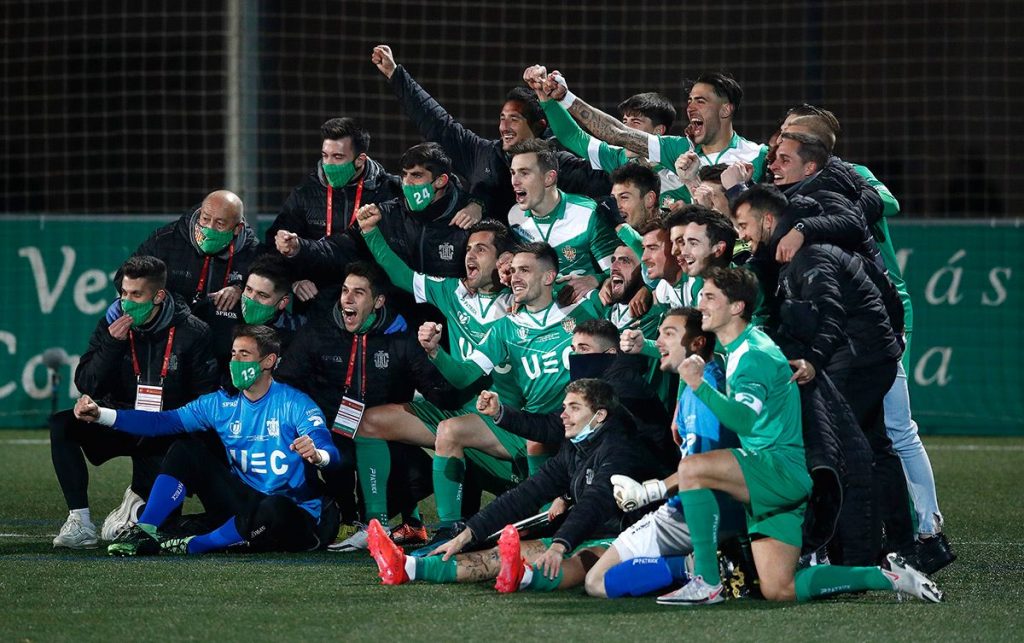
137	310
418	197
339	175
244	374
213	241
253	312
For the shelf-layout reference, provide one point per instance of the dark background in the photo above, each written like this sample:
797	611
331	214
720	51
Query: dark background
113	107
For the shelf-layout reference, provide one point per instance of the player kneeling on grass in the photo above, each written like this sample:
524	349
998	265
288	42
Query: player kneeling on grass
265	491
768	474
599	443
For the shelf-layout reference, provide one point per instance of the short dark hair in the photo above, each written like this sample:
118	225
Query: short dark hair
764	199
429	155
546	158
372	273
694	328
542	251
725	87
503	239
598	394
650	225
712	173
718	228
267	339
640	175
152	269
272	267
602	329
336	129
737	284
653	105
810	149
532	110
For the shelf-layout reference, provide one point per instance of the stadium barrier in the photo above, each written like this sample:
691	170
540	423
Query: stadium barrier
964	278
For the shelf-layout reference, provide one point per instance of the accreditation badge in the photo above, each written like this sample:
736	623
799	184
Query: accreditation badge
350	413
149	397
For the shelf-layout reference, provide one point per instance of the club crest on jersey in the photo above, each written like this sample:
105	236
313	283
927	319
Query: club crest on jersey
569	324
463	317
446	251
236	427
273	427
522	332
569	253
381	359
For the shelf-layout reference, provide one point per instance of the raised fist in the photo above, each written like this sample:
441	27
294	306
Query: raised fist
429	336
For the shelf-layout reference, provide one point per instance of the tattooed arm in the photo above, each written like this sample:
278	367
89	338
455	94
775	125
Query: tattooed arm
608	128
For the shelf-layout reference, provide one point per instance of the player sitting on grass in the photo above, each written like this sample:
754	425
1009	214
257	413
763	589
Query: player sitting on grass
264	490
768	474
598	444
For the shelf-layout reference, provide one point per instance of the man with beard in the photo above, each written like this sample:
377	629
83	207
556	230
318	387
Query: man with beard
470	306
710	108
326	201
485	163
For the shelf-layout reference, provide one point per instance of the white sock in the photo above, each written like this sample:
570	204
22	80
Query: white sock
527	577
83	515
410	567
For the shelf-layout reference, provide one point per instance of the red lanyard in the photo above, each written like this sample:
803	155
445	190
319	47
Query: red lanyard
206	269
167	355
352	366
330	205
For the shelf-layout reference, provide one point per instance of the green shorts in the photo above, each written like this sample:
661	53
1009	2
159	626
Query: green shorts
603	543
499	475
778	495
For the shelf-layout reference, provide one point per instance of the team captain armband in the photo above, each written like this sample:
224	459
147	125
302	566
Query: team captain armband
749	401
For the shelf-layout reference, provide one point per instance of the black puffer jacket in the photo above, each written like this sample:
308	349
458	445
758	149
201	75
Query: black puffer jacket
839	461
850	205
175	244
482	161
579	472
833	314
305	210
426	241
105	371
396	365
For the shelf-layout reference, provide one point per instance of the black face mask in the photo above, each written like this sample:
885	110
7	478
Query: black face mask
590	365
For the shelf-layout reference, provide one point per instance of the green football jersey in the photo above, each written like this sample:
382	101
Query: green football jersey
537	345
470	315
757	375
686	292
583	240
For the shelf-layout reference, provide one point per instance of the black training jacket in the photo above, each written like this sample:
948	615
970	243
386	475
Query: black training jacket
105	371
317	362
305	210
482	161
582	474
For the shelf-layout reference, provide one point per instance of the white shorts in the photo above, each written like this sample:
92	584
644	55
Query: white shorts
662	532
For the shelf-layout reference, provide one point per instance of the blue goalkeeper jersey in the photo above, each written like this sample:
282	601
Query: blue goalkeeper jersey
698	427
257	436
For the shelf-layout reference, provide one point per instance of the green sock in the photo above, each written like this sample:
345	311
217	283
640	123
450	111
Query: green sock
435	570
448	476
541	583
701	513
149	529
825	580
535	462
373	462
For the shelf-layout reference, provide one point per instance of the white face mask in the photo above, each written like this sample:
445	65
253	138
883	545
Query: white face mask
585	432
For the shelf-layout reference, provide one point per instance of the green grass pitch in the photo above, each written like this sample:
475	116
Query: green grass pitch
52	594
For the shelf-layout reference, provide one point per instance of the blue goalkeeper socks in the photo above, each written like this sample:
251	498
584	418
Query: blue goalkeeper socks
220	538
167	495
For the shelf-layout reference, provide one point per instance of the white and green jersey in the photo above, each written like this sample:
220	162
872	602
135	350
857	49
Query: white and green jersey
622	316
537	345
662	152
686	292
583	241
470	315
758	375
